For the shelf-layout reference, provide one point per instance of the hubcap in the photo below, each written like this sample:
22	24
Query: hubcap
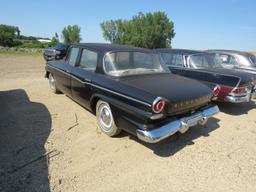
105	117
51	81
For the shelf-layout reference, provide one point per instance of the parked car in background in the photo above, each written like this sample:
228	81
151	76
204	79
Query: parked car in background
237	60
55	53
235	86
129	89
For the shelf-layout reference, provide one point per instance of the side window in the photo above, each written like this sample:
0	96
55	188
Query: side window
201	61
174	59
227	59
72	56
88	60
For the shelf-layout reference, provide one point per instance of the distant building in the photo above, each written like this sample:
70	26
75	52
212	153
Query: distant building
44	40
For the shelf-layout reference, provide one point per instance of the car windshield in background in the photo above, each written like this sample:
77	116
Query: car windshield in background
205	60
253	59
131	63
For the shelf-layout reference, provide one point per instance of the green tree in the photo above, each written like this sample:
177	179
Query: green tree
55	40
151	30
71	34
114	31
8	35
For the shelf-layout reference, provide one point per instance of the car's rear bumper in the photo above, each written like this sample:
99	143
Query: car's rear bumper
179	125
241	99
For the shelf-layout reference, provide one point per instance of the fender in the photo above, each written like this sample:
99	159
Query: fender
122	108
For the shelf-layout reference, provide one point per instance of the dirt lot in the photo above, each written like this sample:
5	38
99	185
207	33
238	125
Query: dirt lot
50	143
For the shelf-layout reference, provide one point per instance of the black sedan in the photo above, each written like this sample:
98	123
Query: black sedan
55	53
235	86
129	89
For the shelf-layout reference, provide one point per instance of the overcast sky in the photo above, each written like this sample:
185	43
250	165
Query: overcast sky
199	24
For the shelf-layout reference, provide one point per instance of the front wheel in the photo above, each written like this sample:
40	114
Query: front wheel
105	119
52	84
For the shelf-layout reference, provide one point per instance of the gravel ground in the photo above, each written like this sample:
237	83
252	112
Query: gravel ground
50	143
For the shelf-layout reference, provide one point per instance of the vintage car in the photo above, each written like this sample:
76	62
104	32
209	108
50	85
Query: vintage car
129	89
235	86
55	53
236	60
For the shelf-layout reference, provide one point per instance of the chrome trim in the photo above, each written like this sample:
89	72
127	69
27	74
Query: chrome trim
179	125
156	116
233	99
120	94
240	99
155	101
103	88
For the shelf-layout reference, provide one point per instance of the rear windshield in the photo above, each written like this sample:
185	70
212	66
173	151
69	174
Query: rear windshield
131	63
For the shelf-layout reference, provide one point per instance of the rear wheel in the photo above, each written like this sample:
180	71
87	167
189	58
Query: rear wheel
105	119
52	83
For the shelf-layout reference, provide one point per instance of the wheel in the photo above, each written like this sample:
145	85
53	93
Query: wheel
52	84
105	119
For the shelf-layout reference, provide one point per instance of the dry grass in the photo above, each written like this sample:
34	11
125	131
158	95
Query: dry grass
19	53
253	52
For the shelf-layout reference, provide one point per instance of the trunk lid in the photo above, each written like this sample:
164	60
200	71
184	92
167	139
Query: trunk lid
183	94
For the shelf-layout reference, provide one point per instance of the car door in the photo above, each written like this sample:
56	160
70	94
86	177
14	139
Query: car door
82	75
63	81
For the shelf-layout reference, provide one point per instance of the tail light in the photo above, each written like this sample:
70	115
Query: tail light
158	105
216	90
239	91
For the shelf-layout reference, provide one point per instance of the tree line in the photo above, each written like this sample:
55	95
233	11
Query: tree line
150	30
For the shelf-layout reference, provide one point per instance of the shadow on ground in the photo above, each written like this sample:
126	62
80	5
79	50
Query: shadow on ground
177	142
24	129
236	109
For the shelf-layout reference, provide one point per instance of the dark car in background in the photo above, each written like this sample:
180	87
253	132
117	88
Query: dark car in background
55	53
235	86
129	89
231	59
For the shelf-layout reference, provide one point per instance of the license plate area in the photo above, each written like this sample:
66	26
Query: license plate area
193	120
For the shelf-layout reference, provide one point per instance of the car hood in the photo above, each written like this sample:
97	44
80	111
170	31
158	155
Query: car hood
175	88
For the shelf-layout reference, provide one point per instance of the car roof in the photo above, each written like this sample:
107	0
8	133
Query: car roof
107	47
230	52
182	51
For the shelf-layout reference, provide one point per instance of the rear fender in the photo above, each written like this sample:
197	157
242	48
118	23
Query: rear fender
120	108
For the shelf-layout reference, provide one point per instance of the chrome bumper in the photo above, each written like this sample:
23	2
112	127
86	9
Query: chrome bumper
240	99
179	125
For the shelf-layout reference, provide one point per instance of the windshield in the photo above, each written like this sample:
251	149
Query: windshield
205	60
131	63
